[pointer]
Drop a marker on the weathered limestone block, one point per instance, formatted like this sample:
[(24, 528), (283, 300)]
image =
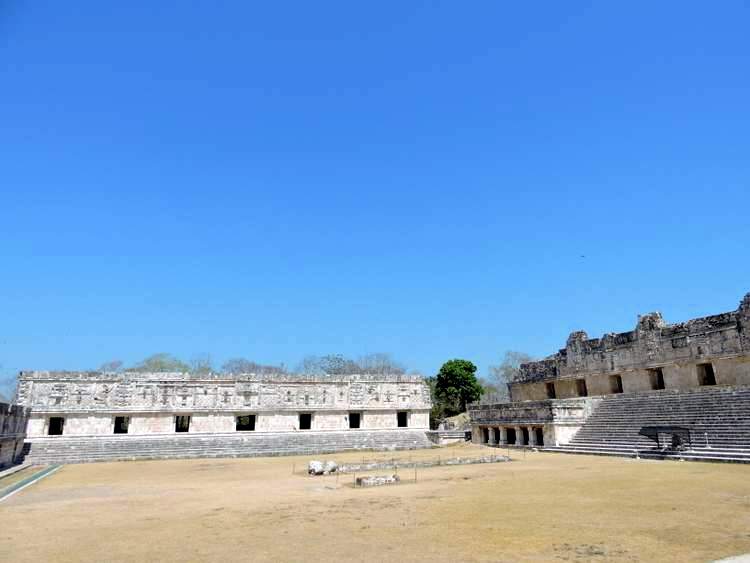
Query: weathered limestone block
[(377, 480), (319, 468), (13, 419)]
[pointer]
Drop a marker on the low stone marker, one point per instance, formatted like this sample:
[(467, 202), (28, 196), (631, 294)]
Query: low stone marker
[(319, 468), (377, 480)]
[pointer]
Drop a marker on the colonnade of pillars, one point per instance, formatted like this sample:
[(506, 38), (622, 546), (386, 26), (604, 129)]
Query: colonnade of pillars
[(512, 435)]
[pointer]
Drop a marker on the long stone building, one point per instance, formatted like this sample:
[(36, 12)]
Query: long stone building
[(281, 413), (663, 373)]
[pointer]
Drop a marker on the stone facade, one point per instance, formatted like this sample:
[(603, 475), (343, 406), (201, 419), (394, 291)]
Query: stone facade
[(655, 355), (13, 419), (95, 403), (551, 398)]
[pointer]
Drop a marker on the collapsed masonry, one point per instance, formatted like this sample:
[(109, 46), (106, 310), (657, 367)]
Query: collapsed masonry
[(13, 419), (552, 399)]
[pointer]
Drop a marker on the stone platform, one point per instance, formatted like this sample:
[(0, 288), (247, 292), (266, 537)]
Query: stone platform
[(83, 449)]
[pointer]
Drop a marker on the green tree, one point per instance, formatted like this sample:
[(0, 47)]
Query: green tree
[(456, 385)]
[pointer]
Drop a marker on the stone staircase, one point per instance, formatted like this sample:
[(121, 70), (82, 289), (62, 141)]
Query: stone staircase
[(718, 418), (84, 449)]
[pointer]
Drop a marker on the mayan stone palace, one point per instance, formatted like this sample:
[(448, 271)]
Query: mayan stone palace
[(93, 415), (665, 390)]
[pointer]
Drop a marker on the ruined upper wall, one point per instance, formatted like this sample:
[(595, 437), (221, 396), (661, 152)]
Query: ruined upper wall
[(653, 343), (168, 392), (13, 419)]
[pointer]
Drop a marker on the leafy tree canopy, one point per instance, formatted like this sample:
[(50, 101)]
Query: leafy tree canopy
[(456, 385)]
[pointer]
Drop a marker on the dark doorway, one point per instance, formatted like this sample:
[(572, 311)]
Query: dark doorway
[(581, 388), (524, 436), (551, 393), (706, 375), (497, 435), (56, 424), (615, 383), (354, 419), (121, 424), (403, 419), (485, 435), (539, 436), (245, 423), (510, 434), (305, 421), (657, 379), (182, 424)]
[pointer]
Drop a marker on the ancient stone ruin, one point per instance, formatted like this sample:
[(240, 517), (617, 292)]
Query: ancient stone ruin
[(13, 419), (598, 393), (322, 468), (377, 480), (175, 415)]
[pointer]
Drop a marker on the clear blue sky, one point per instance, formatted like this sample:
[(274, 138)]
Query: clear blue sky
[(429, 179)]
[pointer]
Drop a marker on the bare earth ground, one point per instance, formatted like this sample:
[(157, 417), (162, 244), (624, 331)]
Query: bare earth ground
[(540, 507)]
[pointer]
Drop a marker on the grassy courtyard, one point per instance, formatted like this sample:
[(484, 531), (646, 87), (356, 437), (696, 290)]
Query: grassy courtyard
[(539, 507)]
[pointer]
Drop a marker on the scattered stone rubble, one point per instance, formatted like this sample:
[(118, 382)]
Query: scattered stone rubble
[(395, 464), (377, 480), (320, 468)]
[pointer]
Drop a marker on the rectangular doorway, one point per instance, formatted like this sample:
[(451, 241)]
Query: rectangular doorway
[(245, 423), (524, 436), (706, 375), (581, 388), (402, 419), (497, 435), (615, 384), (121, 424), (539, 436), (355, 419), (510, 433), (656, 377), (305, 421), (551, 393), (182, 423), (485, 435), (56, 424)]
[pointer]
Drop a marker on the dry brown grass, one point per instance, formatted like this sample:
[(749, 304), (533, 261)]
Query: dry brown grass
[(538, 508)]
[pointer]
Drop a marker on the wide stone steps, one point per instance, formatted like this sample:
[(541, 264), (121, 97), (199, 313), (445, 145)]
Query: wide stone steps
[(87, 449), (718, 419), (692, 455)]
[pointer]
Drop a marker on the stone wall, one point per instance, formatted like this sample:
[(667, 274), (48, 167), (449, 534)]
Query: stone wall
[(89, 402), (558, 420), (13, 420), (722, 340)]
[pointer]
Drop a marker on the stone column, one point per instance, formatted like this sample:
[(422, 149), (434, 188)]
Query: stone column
[(490, 436), (476, 434), (519, 436), (532, 436), (503, 436)]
